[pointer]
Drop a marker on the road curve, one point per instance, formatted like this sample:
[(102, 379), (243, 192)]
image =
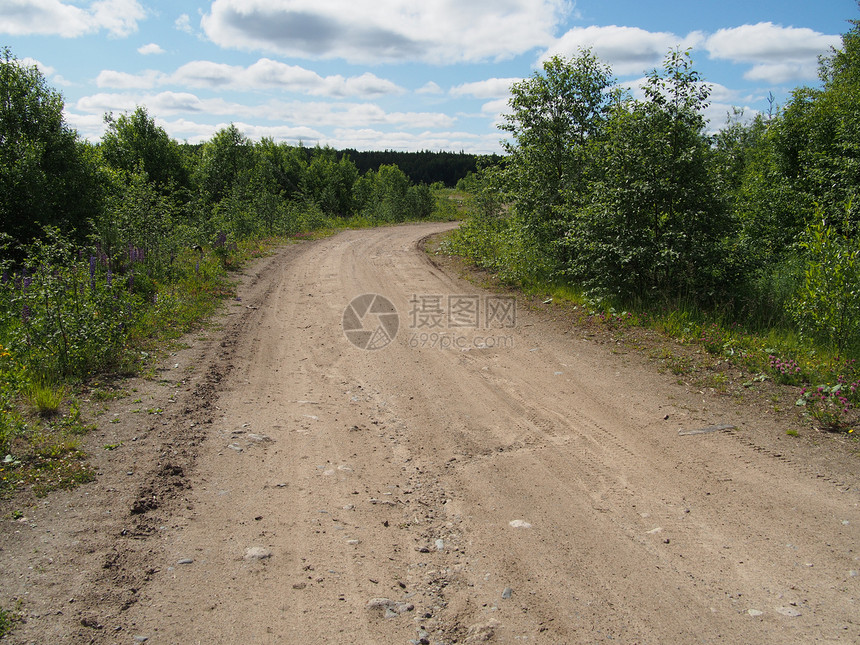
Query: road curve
[(489, 478)]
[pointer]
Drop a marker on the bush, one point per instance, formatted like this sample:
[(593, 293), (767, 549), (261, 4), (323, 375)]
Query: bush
[(65, 314), (827, 305)]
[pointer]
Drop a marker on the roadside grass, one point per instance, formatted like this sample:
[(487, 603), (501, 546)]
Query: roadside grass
[(703, 347)]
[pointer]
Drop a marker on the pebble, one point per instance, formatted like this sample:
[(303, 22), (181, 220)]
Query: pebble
[(440, 545), (791, 612), (185, 561), (754, 612), (353, 542), (507, 593), (391, 607), (236, 447), (257, 553), (520, 524), (141, 639)]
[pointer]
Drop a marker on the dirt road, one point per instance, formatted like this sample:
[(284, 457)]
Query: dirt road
[(503, 480)]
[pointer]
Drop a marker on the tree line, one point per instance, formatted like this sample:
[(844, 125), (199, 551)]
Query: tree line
[(137, 179), (637, 202)]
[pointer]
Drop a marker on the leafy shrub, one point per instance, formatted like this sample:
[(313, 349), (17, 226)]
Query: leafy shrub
[(65, 315), (827, 305)]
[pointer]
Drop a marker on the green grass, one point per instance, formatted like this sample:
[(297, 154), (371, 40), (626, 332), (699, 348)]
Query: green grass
[(45, 398), (7, 621)]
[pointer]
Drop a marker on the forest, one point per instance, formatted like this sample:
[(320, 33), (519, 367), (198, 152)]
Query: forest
[(637, 205)]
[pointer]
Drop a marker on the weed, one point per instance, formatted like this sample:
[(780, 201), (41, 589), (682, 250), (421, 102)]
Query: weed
[(7, 621), (785, 371), (45, 398), (829, 405), (791, 432)]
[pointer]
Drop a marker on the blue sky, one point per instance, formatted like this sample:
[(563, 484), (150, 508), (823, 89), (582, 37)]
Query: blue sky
[(393, 74)]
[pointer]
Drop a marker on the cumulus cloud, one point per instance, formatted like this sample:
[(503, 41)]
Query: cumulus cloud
[(491, 88), (150, 49), (779, 54), (54, 17), (628, 50), (265, 74), (444, 31)]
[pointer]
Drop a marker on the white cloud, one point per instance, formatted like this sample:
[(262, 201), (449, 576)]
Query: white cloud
[(125, 81), (296, 112), (779, 73), (443, 31), (628, 50), (265, 74), (183, 23), (430, 88), (779, 54), (489, 89), (148, 50), (46, 70), (54, 17), (372, 139), (495, 108)]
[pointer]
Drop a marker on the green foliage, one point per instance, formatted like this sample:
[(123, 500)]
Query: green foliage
[(134, 142), (62, 314), (329, 183), (45, 397), (830, 405), (45, 174), (554, 114), (224, 161), (827, 306), (655, 225)]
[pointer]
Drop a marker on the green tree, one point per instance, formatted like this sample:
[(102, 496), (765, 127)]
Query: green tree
[(47, 177), (225, 160), (329, 183), (553, 115), (134, 141), (383, 195), (656, 224)]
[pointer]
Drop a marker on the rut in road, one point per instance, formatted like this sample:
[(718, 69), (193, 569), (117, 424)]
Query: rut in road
[(521, 485)]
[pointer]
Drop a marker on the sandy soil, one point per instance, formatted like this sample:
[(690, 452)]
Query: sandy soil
[(521, 483)]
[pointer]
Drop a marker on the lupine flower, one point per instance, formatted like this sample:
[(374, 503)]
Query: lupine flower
[(93, 261), (25, 314)]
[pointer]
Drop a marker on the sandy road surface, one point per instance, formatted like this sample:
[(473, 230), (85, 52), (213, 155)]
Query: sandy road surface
[(523, 486)]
